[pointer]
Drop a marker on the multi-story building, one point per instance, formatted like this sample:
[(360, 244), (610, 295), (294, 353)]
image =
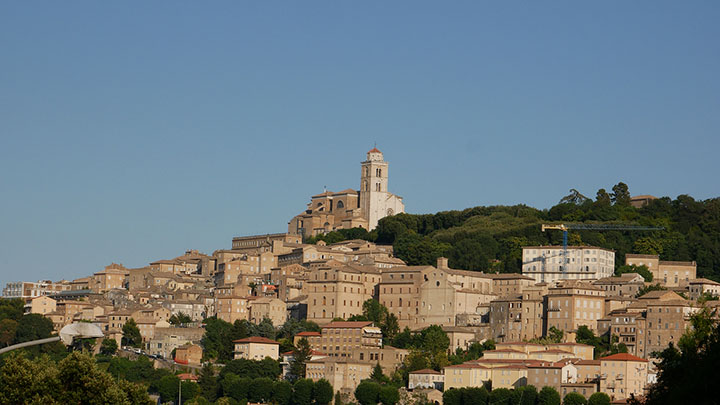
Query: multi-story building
[(574, 303), (625, 285), (256, 348), (340, 339), (344, 374), (623, 375), (349, 208), (551, 374), (112, 277), (41, 305), (666, 273), (420, 296), (27, 289), (232, 308), (340, 292), (266, 307), (545, 263), (667, 318)]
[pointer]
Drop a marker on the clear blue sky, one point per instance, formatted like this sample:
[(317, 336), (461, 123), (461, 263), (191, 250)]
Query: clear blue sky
[(132, 131)]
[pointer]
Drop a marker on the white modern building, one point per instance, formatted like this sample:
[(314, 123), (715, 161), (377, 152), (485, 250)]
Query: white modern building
[(545, 263)]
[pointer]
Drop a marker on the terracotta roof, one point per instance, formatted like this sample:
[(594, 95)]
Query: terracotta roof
[(187, 377), (374, 150), (425, 371), (256, 339), (552, 351), (623, 357), (588, 362), (346, 324), (308, 334)]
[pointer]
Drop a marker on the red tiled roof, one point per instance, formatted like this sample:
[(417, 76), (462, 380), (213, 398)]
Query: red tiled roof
[(256, 339), (308, 334), (374, 150), (623, 357), (187, 377)]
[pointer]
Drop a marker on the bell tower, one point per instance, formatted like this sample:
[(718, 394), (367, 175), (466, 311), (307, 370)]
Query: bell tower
[(373, 187)]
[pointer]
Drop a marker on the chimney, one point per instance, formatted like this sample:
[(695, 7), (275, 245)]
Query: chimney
[(442, 263)]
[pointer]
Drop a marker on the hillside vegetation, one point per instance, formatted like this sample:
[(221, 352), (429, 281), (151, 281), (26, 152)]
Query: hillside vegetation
[(491, 238)]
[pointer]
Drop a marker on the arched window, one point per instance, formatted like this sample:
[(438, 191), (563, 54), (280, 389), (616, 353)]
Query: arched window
[(367, 171), (340, 204), (377, 186), (324, 301), (365, 185)]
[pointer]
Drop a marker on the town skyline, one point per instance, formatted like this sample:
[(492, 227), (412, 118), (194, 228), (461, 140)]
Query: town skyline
[(130, 141)]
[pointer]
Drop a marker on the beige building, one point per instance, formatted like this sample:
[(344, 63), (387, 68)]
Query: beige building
[(667, 318), (349, 208), (340, 338), (552, 374), (625, 285), (425, 378), (271, 308), (232, 308), (574, 303), (42, 305), (667, 273), (339, 292), (424, 295), (701, 286), (256, 348), (112, 277), (544, 263), (343, 374), (623, 375)]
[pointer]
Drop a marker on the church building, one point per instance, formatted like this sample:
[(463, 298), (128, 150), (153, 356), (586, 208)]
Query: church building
[(350, 208)]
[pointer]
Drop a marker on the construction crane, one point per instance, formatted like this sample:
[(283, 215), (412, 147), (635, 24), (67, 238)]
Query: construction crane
[(592, 227)]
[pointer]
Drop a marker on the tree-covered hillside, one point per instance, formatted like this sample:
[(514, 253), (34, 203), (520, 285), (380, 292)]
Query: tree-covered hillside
[(490, 238)]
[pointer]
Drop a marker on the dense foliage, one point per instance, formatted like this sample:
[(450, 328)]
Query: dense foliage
[(74, 380), (18, 328), (688, 371), (491, 238), (526, 395)]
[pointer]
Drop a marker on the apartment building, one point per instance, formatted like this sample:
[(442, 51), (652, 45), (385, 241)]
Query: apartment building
[(340, 339), (545, 263), (666, 273), (551, 374), (573, 303), (623, 375), (340, 292), (266, 307), (426, 378), (232, 308), (344, 374), (667, 318), (701, 286), (28, 290)]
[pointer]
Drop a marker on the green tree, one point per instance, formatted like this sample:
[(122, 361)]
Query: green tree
[(33, 327), (378, 376), (641, 270), (208, 382), (236, 387), (301, 354), (167, 388), (8, 328), (435, 343), (303, 392), (261, 390), (648, 246), (573, 398), (620, 195), (322, 392), (500, 396), (475, 396), (388, 395), (603, 198), (218, 337), (108, 347), (390, 327), (599, 398), (452, 396), (282, 393), (131, 334), (180, 318), (548, 396), (524, 395), (367, 392), (12, 308)]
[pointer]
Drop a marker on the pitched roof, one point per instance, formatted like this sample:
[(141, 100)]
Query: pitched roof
[(308, 334), (256, 339), (374, 150), (425, 371), (623, 357)]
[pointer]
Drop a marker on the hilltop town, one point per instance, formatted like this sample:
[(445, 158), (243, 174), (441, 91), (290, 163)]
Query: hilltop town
[(570, 320)]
